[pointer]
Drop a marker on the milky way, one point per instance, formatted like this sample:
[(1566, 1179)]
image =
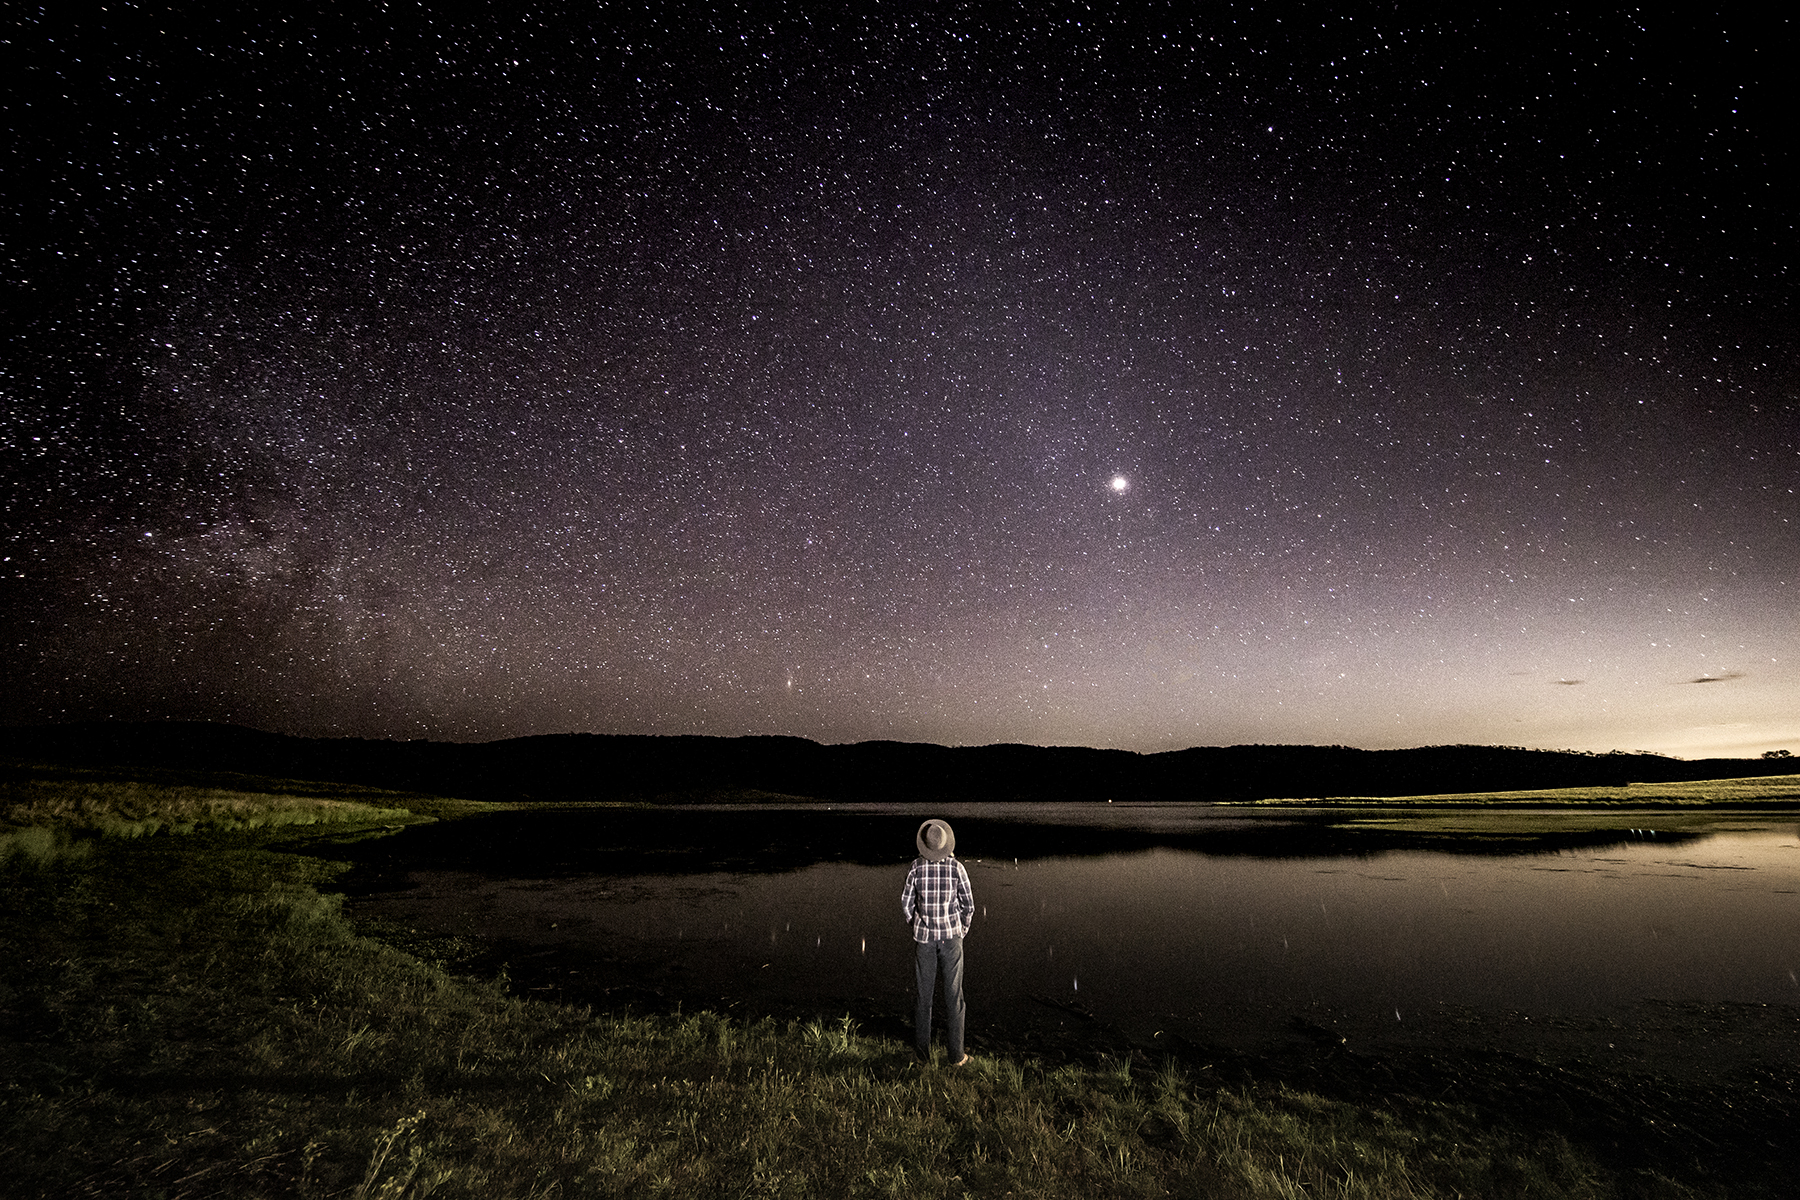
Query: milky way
[(1266, 375)]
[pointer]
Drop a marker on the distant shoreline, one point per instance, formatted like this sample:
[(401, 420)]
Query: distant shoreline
[(677, 769)]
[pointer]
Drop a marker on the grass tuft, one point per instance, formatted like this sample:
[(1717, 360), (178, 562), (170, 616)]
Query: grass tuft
[(34, 844)]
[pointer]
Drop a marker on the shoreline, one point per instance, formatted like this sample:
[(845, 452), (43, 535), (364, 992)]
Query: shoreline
[(238, 961), (1694, 1089)]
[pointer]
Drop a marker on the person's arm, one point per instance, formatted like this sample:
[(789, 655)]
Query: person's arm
[(909, 893), (965, 899)]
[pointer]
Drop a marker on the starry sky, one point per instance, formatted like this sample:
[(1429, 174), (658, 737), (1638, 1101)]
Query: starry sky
[(1143, 377)]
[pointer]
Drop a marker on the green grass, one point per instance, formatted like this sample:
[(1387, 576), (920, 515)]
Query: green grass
[(1766, 789), (47, 811), (190, 1015)]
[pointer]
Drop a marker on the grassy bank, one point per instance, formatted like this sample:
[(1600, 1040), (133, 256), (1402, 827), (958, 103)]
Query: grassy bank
[(42, 807), (1783, 790), (189, 1014)]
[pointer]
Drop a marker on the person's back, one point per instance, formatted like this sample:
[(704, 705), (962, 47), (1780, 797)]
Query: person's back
[(939, 905)]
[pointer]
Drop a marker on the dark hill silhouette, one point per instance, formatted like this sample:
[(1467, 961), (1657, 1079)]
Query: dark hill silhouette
[(583, 766)]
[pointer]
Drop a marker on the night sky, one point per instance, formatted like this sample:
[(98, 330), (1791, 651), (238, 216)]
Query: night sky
[(1263, 375)]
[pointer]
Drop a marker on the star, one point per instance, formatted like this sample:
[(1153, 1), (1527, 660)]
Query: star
[(366, 392)]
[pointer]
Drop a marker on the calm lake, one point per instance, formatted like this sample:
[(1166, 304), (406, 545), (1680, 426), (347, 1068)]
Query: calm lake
[(1214, 925)]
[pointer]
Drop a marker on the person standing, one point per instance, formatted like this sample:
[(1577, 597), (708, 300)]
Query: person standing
[(939, 904)]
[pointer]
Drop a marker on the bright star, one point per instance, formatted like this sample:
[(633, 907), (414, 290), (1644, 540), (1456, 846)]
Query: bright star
[(1120, 483)]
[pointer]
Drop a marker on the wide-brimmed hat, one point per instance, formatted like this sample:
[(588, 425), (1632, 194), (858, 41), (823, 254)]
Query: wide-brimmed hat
[(937, 841)]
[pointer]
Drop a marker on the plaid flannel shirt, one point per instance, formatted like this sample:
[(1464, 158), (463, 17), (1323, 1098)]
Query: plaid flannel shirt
[(937, 900)]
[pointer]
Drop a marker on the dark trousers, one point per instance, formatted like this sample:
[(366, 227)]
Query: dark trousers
[(929, 957)]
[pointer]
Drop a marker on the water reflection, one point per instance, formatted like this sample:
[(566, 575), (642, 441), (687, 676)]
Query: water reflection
[(1208, 924), (707, 838)]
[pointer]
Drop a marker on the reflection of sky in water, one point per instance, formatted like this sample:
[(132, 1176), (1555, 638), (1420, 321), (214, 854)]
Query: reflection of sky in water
[(1160, 817), (1176, 939)]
